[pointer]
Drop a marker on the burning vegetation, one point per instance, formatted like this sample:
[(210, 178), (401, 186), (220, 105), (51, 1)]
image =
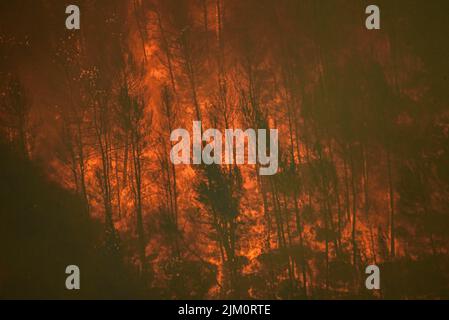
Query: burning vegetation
[(363, 157)]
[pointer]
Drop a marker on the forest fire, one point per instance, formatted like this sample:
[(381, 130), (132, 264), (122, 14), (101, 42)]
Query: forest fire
[(342, 162)]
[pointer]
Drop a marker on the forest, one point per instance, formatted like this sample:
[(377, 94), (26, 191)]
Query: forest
[(363, 157)]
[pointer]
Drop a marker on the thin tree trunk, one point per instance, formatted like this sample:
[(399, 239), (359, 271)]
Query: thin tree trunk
[(391, 196)]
